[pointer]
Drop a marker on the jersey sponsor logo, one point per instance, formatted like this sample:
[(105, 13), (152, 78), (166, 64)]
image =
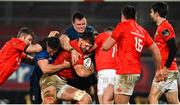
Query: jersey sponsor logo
[(134, 33), (165, 32)]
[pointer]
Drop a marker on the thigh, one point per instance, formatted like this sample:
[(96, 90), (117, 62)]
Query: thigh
[(172, 97), (169, 85), (50, 84), (124, 84), (105, 78)]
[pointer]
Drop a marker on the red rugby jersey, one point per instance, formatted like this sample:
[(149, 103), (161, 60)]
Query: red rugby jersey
[(163, 33), (65, 55), (130, 38), (104, 59), (11, 55)]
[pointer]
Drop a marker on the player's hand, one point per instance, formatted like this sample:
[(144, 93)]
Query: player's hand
[(53, 33), (66, 64), (28, 57), (75, 56), (161, 75)]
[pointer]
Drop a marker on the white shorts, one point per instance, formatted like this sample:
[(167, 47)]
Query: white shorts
[(105, 77), (169, 85)]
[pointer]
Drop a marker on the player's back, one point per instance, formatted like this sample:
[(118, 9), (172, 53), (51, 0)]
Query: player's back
[(131, 40), (104, 59)]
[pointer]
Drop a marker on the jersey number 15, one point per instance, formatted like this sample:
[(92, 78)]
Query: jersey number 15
[(138, 44)]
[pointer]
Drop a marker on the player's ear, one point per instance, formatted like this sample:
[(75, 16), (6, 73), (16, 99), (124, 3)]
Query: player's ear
[(156, 14)]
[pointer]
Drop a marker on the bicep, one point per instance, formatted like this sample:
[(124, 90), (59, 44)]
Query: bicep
[(64, 38)]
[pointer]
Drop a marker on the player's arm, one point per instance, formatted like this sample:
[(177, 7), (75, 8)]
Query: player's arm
[(108, 43), (50, 68), (53, 34), (33, 48), (172, 48), (37, 47), (64, 39), (156, 55), (160, 73), (82, 71)]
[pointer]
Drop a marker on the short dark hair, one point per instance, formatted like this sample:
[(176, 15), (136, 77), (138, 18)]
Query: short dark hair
[(88, 36), (78, 16), (162, 9), (24, 31), (129, 12), (53, 43), (110, 28)]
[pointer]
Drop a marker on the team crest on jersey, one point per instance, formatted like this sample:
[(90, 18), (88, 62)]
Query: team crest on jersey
[(165, 32)]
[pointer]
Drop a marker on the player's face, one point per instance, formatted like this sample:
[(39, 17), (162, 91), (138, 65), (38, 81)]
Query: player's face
[(28, 39), (153, 15), (80, 25), (51, 51), (85, 46)]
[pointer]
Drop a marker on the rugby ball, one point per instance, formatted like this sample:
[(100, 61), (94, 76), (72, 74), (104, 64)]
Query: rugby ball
[(87, 63)]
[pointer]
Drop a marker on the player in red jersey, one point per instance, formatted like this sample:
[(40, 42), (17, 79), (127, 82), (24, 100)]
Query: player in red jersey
[(130, 38), (105, 67), (165, 40), (54, 87), (12, 53)]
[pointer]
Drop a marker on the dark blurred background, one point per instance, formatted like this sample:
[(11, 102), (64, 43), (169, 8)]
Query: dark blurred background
[(43, 17)]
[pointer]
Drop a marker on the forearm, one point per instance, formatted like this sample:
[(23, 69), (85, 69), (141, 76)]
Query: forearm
[(157, 59), (108, 44), (50, 68), (65, 42), (33, 48), (156, 56), (82, 71)]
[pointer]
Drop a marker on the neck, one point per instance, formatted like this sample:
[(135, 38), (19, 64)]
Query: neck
[(160, 20)]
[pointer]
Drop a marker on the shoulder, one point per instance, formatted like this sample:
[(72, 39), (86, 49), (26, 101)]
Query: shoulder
[(41, 55), (69, 29), (89, 28)]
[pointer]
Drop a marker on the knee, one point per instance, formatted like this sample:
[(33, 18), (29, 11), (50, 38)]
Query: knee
[(107, 100), (152, 98), (87, 98), (173, 101)]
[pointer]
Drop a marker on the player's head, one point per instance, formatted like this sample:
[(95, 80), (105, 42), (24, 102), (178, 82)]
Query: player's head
[(52, 45), (26, 35), (128, 12), (110, 28), (86, 41), (79, 22), (160, 9)]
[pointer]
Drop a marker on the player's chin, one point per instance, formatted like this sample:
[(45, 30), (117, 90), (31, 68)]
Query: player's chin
[(81, 30)]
